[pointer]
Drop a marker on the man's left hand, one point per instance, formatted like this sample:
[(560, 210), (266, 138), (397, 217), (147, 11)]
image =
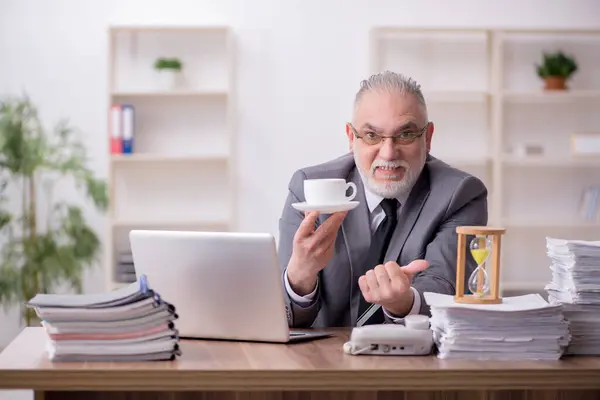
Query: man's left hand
[(389, 285)]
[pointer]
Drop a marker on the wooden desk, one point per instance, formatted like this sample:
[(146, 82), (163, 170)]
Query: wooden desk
[(316, 369)]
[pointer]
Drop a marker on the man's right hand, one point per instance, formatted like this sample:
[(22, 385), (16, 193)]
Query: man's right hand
[(312, 250)]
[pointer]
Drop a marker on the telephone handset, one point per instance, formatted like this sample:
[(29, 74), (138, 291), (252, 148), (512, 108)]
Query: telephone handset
[(413, 338)]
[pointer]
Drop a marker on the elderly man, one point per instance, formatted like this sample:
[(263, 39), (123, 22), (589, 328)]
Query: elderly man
[(372, 264)]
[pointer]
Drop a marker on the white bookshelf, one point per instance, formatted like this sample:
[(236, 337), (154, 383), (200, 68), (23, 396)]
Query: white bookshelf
[(485, 98), (180, 174)]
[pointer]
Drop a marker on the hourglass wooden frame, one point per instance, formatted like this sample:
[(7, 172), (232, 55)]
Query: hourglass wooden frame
[(494, 273)]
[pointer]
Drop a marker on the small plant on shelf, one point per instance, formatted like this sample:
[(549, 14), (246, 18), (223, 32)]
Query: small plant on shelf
[(556, 69), (169, 72), (168, 64), (46, 241)]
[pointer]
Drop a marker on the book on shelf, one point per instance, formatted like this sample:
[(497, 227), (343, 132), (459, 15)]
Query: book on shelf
[(132, 323), (122, 128)]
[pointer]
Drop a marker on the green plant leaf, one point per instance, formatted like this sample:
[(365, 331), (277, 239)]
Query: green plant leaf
[(168, 63), (556, 64), (38, 258), (10, 278)]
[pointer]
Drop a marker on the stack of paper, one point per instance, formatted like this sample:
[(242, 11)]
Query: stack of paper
[(520, 328), (575, 284), (129, 324)]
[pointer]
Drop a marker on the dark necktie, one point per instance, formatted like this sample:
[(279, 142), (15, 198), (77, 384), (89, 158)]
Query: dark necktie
[(379, 245)]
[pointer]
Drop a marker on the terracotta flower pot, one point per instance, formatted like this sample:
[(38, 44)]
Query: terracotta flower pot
[(555, 83)]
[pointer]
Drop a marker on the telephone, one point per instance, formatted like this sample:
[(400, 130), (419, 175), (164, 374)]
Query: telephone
[(413, 338)]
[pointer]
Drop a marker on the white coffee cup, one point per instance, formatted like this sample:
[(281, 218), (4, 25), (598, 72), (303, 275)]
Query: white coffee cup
[(328, 191)]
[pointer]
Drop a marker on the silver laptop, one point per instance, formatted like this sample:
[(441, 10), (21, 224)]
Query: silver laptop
[(224, 285)]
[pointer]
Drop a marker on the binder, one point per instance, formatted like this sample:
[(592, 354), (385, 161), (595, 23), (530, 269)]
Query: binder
[(116, 129), (128, 113)]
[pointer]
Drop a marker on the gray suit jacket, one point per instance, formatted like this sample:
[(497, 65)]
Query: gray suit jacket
[(442, 199)]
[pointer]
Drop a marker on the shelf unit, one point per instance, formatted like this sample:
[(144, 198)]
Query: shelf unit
[(485, 99), (181, 172)]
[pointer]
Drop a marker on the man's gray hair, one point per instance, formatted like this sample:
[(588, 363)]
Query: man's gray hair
[(390, 81)]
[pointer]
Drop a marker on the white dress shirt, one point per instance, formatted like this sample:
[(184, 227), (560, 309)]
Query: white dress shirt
[(377, 216)]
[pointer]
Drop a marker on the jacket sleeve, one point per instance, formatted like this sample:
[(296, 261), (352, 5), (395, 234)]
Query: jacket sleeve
[(299, 316), (468, 206)]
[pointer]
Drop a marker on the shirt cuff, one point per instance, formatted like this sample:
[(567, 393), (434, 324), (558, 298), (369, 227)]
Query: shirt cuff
[(300, 300), (414, 310)]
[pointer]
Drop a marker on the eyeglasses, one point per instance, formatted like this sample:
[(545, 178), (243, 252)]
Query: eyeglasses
[(403, 138)]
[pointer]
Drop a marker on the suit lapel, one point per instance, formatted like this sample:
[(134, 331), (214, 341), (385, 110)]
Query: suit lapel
[(409, 213), (356, 227)]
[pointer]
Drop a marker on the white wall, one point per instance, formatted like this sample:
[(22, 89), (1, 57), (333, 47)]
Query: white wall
[(299, 64)]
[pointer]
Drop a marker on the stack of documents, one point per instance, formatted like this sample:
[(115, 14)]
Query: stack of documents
[(129, 324), (520, 328), (575, 285)]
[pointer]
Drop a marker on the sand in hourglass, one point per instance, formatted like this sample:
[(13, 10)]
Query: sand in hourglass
[(480, 255), (479, 280)]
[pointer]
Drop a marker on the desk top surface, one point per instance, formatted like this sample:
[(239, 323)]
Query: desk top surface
[(314, 365)]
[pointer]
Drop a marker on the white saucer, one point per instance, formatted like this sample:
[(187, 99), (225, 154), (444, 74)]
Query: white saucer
[(326, 208)]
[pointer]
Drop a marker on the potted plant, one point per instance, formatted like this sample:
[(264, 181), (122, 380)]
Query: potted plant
[(169, 72), (556, 69), (46, 241)]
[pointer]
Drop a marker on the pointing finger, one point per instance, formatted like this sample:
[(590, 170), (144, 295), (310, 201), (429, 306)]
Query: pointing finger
[(415, 267)]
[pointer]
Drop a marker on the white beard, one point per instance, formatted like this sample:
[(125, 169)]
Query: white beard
[(392, 189)]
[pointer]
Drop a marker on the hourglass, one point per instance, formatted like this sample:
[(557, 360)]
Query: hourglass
[(479, 281), (482, 283)]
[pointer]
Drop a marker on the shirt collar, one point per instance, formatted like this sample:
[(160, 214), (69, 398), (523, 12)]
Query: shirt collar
[(373, 199)]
